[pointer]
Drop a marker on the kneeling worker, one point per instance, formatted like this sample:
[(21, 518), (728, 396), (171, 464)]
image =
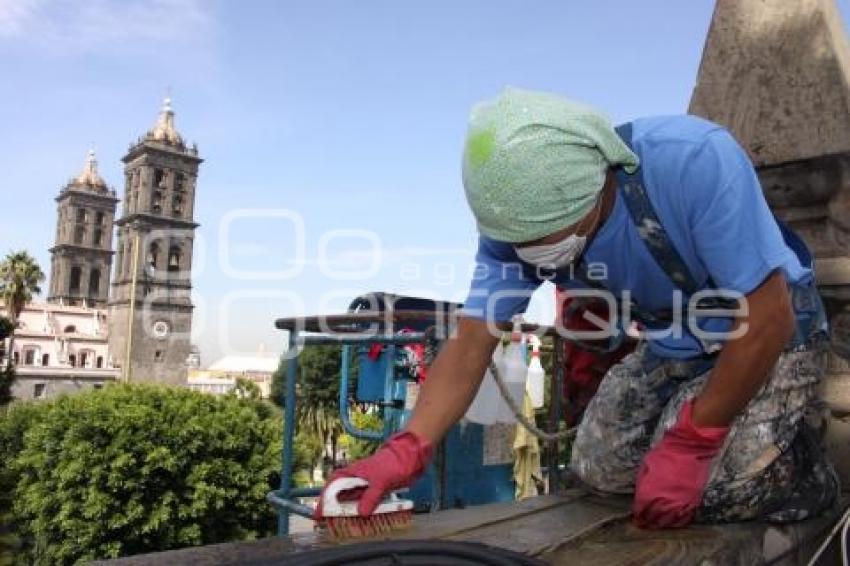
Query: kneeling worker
[(705, 419)]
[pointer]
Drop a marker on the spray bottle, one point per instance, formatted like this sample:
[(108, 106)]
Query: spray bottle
[(536, 375), (513, 371)]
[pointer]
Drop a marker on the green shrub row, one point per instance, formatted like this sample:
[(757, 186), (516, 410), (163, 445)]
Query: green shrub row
[(136, 468)]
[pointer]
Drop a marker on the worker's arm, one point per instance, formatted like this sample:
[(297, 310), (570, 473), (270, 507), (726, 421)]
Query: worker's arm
[(673, 475), (453, 380), (746, 361)]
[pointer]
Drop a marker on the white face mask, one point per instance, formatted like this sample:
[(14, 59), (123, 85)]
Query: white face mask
[(557, 255)]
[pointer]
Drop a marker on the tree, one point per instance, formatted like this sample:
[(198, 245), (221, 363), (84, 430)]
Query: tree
[(307, 450), (7, 374), (14, 422), (20, 277), (355, 447), (140, 468), (6, 327), (317, 391), (247, 389)]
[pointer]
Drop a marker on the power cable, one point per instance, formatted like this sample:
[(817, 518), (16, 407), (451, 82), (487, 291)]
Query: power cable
[(526, 424)]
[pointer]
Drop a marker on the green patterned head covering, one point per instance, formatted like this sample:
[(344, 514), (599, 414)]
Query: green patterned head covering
[(534, 163)]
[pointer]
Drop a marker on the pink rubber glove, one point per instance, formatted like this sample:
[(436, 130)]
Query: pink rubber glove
[(673, 475), (396, 464)]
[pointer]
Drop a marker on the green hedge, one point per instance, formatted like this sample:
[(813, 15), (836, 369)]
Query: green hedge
[(131, 469), (14, 422)]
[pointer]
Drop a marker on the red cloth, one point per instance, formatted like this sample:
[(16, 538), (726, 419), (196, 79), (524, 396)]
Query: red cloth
[(583, 369), (396, 464), (673, 475), (375, 351), (418, 351)]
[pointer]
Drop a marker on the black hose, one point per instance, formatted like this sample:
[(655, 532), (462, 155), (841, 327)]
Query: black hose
[(405, 553)]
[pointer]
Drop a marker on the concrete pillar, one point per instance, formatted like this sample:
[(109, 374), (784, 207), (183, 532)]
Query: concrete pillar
[(777, 74)]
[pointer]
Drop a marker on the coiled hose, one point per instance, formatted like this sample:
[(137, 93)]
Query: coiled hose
[(526, 424)]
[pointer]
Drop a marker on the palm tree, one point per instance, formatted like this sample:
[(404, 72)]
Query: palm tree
[(321, 421), (20, 277), (6, 377), (317, 411)]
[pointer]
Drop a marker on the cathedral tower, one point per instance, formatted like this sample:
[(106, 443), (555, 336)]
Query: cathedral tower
[(82, 254), (150, 310)]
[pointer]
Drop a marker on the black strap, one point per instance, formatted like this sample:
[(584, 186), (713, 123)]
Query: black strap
[(649, 226), (658, 243)]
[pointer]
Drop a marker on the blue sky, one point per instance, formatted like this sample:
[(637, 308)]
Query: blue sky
[(349, 114)]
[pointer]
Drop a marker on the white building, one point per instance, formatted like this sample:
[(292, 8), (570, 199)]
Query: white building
[(220, 377), (59, 349)]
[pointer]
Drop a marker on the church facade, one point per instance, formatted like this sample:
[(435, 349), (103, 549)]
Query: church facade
[(82, 255), (150, 307), (137, 326)]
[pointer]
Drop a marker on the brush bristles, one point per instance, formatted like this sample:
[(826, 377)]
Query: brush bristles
[(363, 527)]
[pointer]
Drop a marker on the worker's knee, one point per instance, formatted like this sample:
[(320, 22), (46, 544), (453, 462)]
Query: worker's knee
[(603, 462), (618, 423)]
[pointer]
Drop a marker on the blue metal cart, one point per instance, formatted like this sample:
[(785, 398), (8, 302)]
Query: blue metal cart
[(458, 477)]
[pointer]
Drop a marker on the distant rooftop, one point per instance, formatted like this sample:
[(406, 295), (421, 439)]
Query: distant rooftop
[(40, 305), (266, 363)]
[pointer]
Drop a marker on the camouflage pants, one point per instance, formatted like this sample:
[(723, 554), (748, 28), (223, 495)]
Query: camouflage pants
[(771, 465)]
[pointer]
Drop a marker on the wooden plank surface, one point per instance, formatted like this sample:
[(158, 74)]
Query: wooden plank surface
[(537, 532), (574, 528), (457, 522), (235, 553), (620, 543)]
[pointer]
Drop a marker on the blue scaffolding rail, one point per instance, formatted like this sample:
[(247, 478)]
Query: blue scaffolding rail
[(361, 329)]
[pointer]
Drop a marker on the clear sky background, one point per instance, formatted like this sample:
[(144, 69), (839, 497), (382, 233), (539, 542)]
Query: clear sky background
[(350, 114)]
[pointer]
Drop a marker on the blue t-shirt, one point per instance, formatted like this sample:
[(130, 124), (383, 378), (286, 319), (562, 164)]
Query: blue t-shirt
[(707, 196)]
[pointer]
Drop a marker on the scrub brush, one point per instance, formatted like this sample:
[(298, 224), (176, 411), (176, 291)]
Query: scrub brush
[(343, 521)]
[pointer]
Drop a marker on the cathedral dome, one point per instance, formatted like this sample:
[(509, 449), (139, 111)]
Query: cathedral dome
[(164, 130), (90, 177)]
